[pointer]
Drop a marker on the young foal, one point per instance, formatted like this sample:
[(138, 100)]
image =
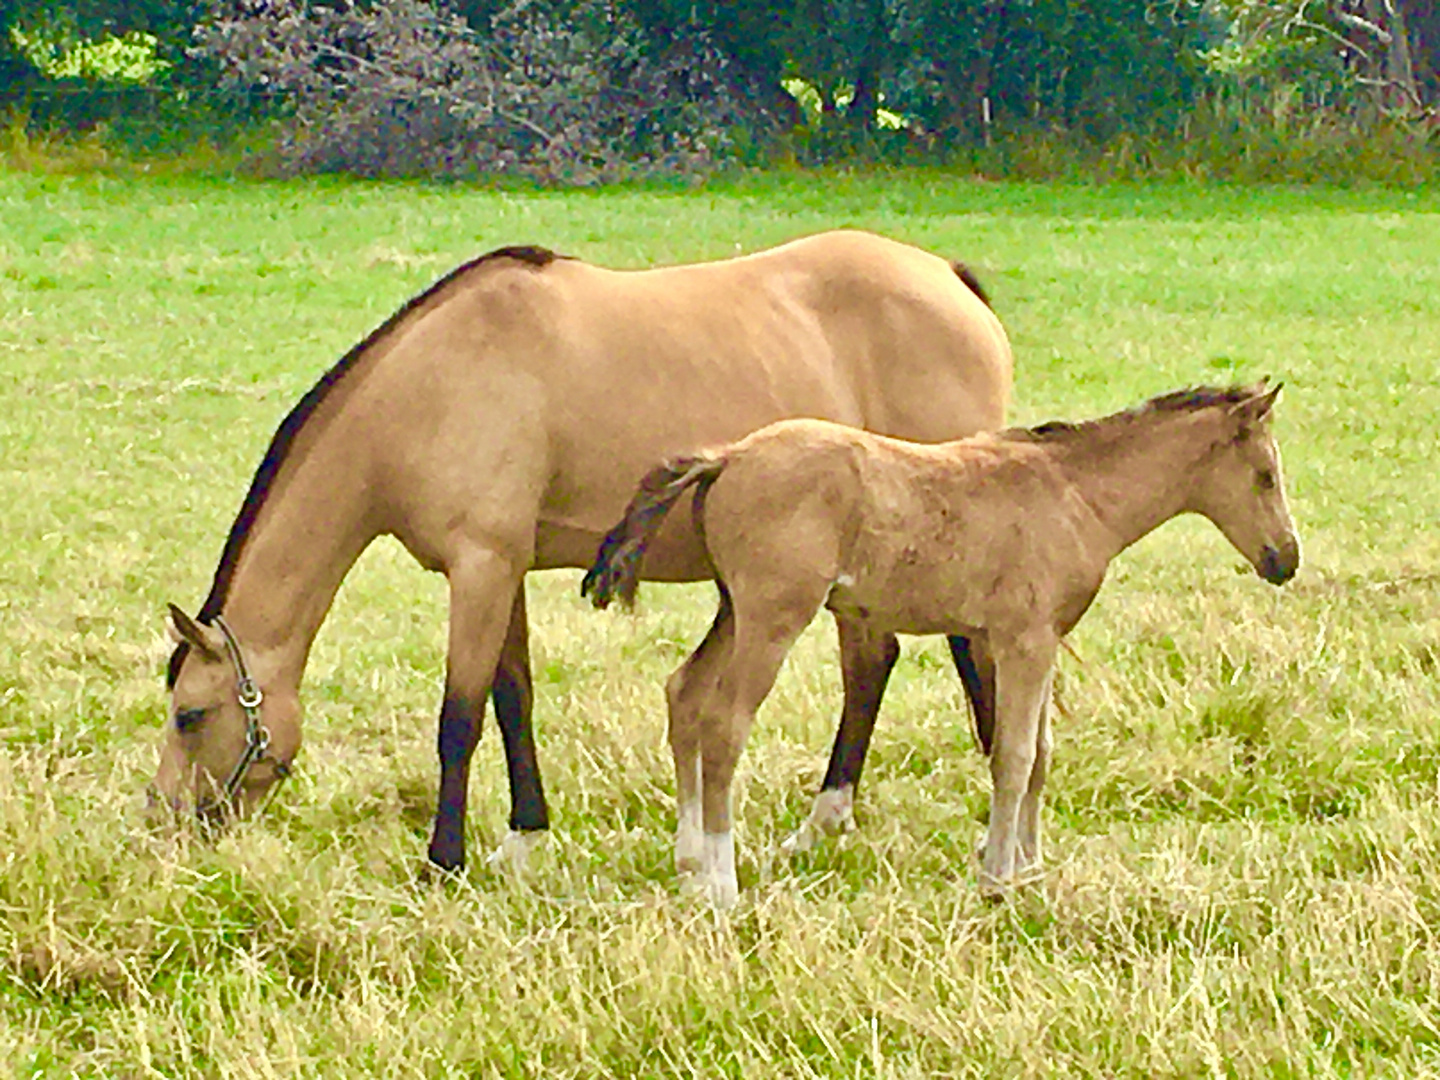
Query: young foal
[(1004, 537)]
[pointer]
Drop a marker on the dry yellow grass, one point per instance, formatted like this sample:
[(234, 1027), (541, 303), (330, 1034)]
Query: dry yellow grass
[(1245, 875)]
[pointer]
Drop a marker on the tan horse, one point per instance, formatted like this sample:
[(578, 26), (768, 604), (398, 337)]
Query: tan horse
[(1004, 537), (497, 423)]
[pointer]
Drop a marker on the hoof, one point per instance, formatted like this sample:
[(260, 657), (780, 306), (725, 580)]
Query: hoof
[(832, 815), (799, 841), (688, 865), (993, 890), (723, 895), (444, 860), (513, 855), (431, 870)]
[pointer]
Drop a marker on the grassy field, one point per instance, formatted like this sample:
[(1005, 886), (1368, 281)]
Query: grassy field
[(1242, 816)]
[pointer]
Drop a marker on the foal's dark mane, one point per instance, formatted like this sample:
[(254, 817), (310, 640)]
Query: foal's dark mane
[(1188, 399), (285, 435)]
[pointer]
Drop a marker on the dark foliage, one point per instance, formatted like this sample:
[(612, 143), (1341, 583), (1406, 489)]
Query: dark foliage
[(553, 92)]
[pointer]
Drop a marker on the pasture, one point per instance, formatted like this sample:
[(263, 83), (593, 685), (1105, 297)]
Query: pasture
[(1243, 814)]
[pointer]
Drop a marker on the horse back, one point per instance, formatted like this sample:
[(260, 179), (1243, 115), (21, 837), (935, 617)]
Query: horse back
[(573, 379)]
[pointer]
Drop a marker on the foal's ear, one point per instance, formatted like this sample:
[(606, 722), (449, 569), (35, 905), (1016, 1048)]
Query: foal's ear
[(185, 630), (1257, 406)]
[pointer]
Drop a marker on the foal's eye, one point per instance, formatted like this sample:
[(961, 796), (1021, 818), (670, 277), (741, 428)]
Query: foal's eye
[(1265, 480), (187, 720)]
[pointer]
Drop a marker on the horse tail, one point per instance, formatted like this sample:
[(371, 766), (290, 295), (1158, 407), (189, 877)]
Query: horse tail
[(616, 572), (965, 274)]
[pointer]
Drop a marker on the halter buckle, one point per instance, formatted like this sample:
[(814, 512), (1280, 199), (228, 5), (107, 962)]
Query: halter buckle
[(247, 690)]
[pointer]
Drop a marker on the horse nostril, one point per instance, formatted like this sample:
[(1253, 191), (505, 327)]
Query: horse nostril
[(1278, 568)]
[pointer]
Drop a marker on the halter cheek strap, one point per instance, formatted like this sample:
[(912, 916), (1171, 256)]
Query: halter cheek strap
[(257, 736)]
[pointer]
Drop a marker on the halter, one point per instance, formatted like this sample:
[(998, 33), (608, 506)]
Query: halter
[(257, 736)]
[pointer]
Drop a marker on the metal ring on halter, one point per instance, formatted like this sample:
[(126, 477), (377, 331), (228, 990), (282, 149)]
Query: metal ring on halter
[(257, 736)]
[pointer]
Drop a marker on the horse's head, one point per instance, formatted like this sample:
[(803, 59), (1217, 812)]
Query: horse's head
[(1242, 490), (233, 727)]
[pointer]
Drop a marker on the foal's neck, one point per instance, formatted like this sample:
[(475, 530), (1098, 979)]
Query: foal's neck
[(1138, 474)]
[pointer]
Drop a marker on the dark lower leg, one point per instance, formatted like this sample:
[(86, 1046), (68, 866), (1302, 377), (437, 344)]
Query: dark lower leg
[(460, 721), (977, 672), (514, 697), (866, 660), (483, 584)]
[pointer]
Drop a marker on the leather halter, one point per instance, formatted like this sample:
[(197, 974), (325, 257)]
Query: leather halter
[(257, 735)]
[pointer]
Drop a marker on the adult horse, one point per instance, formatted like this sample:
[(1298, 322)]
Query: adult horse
[(496, 424)]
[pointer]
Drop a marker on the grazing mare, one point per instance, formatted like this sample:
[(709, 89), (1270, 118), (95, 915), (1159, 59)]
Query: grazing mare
[(1005, 537), (497, 423)]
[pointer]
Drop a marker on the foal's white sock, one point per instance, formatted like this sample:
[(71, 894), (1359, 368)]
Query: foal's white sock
[(723, 885)]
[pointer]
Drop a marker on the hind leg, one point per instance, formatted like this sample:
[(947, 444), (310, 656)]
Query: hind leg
[(976, 668), (762, 639), (866, 659), (513, 695), (1031, 853), (483, 583), (685, 693)]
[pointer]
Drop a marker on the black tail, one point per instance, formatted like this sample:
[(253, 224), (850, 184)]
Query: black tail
[(965, 274), (616, 572)]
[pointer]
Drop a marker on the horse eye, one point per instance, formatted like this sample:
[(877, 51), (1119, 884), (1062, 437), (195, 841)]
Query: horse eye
[(187, 720), (1265, 480)]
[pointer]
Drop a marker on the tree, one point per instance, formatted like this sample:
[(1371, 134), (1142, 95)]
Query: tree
[(1385, 52)]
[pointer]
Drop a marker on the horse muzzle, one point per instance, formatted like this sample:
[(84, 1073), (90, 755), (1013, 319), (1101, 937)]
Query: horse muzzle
[(1278, 565)]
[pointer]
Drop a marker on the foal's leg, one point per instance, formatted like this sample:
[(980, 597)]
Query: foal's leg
[(761, 641), (482, 587), (1030, 852), (1023, 680), (866, 659), (685, 692), (977, 673), (514, 697)]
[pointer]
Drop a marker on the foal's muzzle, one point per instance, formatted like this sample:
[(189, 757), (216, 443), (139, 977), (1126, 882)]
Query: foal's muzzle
[(1278, 565)]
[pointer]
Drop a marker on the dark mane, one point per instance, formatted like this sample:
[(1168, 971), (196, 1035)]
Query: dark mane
[(289, 429), (1186, 399)]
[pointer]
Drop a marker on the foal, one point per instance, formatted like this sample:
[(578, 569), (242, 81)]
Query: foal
[(1006, 537)]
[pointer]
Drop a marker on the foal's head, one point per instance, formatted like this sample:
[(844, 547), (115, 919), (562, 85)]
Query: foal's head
[(233, 729), (1241, 489)]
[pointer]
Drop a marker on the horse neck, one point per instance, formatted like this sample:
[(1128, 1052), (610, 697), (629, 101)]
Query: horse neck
[(1139, 473), (316, 521)]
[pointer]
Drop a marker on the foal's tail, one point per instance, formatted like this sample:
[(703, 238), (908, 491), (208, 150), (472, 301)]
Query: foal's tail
[(616, 572)]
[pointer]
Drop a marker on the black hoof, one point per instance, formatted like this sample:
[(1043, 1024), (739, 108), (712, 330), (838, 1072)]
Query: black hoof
[(445, 861)]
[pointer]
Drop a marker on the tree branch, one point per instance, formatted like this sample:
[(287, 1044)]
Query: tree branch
[(439, 93), (1379, 32)]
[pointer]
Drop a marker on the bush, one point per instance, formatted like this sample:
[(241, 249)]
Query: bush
[(569, 94)]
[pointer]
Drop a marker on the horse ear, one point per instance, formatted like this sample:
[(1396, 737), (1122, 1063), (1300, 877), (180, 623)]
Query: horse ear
[(1257, 406), (186, 630)]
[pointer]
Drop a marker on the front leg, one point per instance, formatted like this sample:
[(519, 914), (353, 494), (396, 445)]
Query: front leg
[(1022, 684), (482, 587)]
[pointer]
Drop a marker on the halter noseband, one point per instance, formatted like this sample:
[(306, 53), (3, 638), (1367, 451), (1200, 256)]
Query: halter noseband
[(257, 736)]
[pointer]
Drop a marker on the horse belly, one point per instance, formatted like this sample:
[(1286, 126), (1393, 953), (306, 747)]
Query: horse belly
[(676, 554)]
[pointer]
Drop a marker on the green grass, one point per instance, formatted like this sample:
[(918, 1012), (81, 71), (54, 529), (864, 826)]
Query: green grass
[(1242, 818)]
